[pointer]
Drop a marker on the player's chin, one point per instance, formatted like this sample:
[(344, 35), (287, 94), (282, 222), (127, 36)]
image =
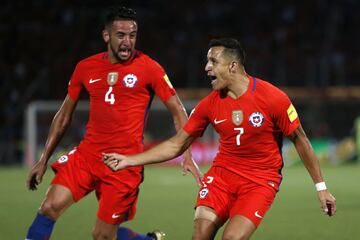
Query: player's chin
[(123, 58), (215, 86), (124, 55)]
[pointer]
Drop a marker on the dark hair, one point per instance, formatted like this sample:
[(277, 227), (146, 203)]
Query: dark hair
[(119, 13), (232, 46)]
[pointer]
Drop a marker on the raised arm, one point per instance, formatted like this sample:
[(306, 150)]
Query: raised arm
[(307, 155), (179, 115), (58, 127), (165, 151)]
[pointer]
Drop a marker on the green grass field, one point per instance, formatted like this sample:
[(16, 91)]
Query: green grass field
[(167, 198)]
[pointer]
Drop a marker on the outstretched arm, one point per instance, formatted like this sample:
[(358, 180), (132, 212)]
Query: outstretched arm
[(166, 150), (58, 127), (179, 115), (307, 155)]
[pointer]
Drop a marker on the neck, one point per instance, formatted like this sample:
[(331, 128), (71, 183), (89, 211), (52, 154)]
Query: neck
[(112, 59), (240, 86)]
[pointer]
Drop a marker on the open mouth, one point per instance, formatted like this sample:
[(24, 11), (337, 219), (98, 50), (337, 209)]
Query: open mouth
[(125, 52), (213, 79)]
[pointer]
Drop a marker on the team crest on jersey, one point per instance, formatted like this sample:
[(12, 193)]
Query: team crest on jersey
[(112, 78), (256, 119), (203, 192), (237, 117), (63, 159), (130, 80)]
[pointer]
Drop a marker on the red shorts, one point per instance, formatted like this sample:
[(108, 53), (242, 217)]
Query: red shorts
[(117, 192), (230, 194)]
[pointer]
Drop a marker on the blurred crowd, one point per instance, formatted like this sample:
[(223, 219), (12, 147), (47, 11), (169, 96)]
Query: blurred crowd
[(311, 43)]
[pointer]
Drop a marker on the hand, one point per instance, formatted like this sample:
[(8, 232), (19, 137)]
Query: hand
[(327, 202), (115, 161), (36, 174), (189, 165)]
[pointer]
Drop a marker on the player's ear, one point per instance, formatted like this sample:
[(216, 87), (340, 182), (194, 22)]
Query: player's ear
[(106, 35), (232, 67)]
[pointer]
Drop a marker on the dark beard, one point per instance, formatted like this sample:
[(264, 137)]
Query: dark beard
[(116, 55)]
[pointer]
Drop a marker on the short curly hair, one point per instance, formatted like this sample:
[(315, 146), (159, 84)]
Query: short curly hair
[(119, 13)]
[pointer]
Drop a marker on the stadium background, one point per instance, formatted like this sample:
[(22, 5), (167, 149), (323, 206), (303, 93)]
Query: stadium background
[(308, 48)]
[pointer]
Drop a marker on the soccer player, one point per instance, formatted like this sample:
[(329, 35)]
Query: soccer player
[(251, 116), (121, 83)]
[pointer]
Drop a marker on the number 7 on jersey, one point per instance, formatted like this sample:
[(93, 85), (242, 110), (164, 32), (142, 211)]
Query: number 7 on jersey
[(241, 132)]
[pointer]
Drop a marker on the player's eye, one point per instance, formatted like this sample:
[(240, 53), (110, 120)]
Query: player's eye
[(120, 35)]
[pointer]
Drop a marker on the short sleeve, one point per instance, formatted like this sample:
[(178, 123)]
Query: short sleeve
[(75, 83), (198, 120), (284, 114), (160, 82)]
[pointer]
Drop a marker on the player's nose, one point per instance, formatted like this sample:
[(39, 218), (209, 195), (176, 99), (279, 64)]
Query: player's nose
[(126, 41), (207, 67)]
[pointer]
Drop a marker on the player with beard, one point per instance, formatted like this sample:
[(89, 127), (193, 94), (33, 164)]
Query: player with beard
[(121, 83), (252, 117)]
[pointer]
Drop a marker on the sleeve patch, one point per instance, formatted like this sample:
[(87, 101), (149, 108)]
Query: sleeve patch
[(167, 80), (292, 114)]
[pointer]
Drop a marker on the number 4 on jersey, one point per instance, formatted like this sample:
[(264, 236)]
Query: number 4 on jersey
[(109, 96)]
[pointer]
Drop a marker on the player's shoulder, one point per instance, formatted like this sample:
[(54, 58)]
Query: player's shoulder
[(270, 95), (148, 61), (211, 98), (266, 88), (93, 59), (143, 56)]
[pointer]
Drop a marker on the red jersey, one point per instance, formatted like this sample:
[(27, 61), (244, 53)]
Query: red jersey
[(120, 98), (251, 128)]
